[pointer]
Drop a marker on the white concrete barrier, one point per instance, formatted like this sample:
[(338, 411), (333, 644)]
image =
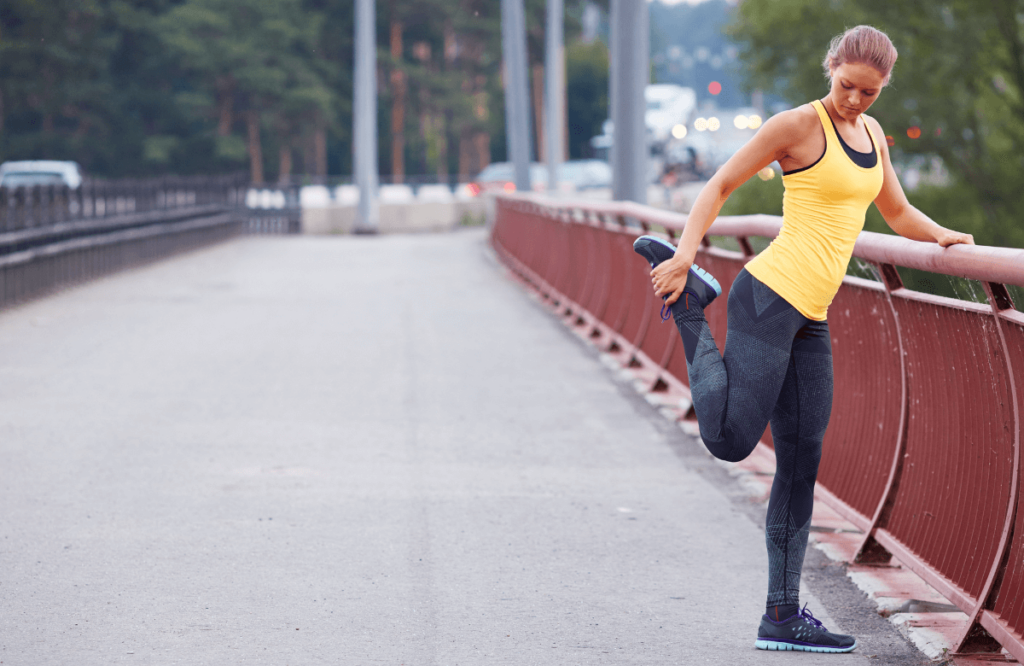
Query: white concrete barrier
[(434, 193), (346, 195), (414, 217), (396, 194), (314, 196)]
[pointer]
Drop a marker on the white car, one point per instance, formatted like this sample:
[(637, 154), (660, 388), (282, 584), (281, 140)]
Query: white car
[(27, 173)]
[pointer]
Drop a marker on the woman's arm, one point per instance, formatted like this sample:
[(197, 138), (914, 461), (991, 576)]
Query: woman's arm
[(899, 214), (768, 145)]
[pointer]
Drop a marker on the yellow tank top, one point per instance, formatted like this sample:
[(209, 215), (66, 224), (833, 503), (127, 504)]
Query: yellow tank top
[(823, 210)]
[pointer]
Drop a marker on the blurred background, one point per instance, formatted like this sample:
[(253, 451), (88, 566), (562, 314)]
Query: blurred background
[(138, 88)]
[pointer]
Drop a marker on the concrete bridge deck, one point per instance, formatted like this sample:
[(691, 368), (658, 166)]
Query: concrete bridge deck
[(360, 450)]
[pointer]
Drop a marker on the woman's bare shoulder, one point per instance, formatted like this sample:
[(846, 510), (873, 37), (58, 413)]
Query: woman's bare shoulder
[(789, 130), (799, 118)]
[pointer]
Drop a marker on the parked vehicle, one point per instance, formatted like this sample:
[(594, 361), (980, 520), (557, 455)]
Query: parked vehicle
[(573, 175), (668, 105), (26, 173), (585, 174)]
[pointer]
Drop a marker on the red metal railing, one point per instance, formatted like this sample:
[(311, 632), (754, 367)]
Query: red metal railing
[(923, 450)]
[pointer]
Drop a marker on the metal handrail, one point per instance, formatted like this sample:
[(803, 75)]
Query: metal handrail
[(977, 262)]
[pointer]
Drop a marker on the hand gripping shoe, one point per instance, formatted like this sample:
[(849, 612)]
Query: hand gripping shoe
[(801, 632), (699, 282)]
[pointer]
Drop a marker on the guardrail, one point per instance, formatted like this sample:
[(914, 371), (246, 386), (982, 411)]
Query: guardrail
[(276, 210), (52, 236), (923, 453)]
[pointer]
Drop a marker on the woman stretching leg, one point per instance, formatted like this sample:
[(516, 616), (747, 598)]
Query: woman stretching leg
[(777, 365)]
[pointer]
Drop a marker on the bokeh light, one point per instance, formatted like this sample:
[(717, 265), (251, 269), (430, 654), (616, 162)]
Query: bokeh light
[(914, 132), (714, 124), (510, 187), (741, 122), (889, 140), (700, 124), (714, 87), (753, 122), (679, 131)]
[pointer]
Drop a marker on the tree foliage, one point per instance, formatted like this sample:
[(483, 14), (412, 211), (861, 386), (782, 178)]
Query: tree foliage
[(136, 87), (587, 92), (959, 79)]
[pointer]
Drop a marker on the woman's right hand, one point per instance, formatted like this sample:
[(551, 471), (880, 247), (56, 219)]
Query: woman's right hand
[(669, 278)]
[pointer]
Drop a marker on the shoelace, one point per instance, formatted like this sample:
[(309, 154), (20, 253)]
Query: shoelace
[(666, 311), (810, 618)]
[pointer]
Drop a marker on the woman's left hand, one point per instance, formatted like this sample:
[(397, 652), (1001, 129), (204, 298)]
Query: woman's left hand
[(947, 238)]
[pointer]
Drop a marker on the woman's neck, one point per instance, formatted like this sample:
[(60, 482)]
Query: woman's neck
[(833, 113)]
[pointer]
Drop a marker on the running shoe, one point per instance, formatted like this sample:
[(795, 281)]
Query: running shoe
[(699, 282), (801, 632)]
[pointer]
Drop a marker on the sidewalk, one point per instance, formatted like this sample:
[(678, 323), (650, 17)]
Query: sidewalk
[(353, 451)]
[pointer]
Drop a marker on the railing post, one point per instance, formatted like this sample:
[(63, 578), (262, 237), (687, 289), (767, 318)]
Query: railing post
[(5, 200), (870, 551), (63, 200), (38, 207), (744, 242), (975, 638), (99, 199)]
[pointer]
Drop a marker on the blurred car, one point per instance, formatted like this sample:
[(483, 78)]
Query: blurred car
[(585, 174), (501, 176), (26, 173), (573, 175)]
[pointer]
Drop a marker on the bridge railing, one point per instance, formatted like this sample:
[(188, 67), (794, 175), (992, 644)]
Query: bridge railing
[(52, 236), (923, 453)]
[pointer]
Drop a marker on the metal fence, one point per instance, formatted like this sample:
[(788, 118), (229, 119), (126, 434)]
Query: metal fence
[(923, 453), (53, 236)]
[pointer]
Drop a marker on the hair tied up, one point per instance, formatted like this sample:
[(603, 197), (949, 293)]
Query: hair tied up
[(863, 44)]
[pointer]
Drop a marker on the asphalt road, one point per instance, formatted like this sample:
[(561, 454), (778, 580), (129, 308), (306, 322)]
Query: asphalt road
[(349, 450)]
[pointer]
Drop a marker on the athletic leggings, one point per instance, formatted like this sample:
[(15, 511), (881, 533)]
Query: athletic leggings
[(777, 367)]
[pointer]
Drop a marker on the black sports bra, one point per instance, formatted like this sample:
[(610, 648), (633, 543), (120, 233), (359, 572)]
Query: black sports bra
[(863, 160)]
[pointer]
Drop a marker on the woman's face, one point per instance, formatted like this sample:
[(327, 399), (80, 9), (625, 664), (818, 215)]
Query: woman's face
[(855, 87)]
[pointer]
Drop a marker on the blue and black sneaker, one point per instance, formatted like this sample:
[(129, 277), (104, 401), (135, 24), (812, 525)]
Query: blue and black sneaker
[(699, 282), (801, 632)]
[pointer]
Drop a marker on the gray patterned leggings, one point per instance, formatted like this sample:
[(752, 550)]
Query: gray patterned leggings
[(777, 368)]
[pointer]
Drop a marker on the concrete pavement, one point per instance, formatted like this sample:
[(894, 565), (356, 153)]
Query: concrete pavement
[(347, 450)]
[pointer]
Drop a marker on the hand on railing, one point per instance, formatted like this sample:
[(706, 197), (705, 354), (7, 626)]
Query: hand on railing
[(954, 238)]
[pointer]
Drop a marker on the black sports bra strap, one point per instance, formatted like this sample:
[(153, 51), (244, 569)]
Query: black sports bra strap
[(863, 160)]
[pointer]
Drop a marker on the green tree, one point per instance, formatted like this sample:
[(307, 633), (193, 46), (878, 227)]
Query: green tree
[(252, 60), (55, 88), (959, 79), (587, 91)]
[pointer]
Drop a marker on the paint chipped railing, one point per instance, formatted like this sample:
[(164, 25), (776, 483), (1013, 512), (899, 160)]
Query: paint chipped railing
[(923, 450)]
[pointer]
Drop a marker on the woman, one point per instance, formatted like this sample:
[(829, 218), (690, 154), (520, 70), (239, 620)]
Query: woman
[(777, 364)]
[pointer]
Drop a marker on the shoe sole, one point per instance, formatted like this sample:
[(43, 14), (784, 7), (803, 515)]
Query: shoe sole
[(639, 246), (762, 644), (707, 279)]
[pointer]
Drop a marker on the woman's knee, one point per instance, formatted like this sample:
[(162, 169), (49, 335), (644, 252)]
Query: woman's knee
[(731, 449)]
